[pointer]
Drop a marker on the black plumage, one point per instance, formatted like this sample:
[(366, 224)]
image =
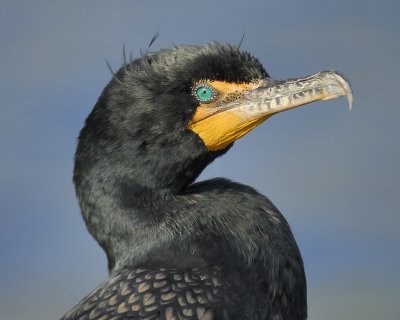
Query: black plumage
[(178, 249)]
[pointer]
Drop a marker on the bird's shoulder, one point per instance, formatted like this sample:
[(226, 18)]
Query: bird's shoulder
[(224, 196)]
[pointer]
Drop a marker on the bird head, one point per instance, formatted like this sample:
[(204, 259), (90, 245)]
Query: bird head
[(165, 116)]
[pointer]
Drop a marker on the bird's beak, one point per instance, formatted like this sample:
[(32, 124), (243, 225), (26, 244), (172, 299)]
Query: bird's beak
[(239, 107)]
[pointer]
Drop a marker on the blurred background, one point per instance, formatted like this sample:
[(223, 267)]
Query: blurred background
[(334, 174)]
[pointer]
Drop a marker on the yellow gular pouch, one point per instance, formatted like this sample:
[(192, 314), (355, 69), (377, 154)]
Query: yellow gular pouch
[(221, 129)]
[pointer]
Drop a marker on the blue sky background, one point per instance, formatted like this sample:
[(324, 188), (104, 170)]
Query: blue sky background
[(333, 173)]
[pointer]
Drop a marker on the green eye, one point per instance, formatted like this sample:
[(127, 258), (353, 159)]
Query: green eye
[(204, 93)]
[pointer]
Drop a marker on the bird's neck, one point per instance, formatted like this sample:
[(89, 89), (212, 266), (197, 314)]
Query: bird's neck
[(121, 194), (114, 208)]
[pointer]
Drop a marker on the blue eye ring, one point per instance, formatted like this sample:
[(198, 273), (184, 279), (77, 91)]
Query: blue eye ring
[(204, 92)]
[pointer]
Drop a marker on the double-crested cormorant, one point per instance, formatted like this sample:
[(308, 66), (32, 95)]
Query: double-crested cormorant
[(177, 249)]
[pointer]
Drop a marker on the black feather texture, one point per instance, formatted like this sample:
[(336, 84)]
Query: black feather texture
[(135, 168)]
